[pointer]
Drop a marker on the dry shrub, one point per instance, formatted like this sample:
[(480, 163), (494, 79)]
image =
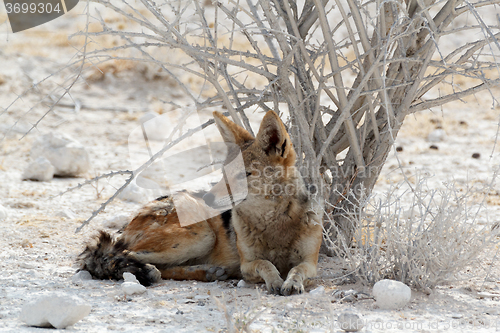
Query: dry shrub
[(414, 234)]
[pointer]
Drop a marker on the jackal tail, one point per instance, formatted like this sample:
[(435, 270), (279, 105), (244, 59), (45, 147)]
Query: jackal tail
[(106, 258)]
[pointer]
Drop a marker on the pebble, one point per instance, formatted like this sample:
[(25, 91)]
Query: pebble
[(241, 284), (201, 297), (26, 265), (350, 321), (40, 169), (129, 277), (344, 293), (68, 157), (391, 294), (117, 222), (318, 291), (81, 277), (134, 193), (55, 310), (132, 288)]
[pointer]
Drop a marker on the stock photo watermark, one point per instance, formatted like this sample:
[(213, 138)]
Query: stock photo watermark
[(27, 14), (187, 169)]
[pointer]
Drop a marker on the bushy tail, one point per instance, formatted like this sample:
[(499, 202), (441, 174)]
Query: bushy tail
[(109, 259)]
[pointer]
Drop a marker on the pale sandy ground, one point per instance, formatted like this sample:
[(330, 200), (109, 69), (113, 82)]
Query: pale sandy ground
[(39, 245)]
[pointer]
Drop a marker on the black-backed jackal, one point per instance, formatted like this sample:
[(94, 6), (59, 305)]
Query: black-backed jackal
[(274, 233)]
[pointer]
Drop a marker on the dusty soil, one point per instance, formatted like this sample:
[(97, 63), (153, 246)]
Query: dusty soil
[(39, 243)]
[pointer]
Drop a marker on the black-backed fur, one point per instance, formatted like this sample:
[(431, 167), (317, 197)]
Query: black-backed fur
[(226, 220), (109, 259)]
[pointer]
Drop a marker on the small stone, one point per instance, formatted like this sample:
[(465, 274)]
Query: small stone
[(399, 149), (80, 277), (129, 277), (67, 155), (41, 170), (437, 135), (350, 321), (344, 293), (476, 155), (134, 193), (55, 310), (117, 222), (391, 294), (26, 265), (242, 284), (201, 297), (131, 288), (318, 291), (433, 147)]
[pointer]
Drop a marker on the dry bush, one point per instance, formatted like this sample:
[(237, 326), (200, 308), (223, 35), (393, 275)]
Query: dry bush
[(419, 236)]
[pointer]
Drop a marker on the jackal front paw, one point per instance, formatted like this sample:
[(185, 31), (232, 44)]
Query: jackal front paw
[(291, 285), (274, 286), (216, 274)]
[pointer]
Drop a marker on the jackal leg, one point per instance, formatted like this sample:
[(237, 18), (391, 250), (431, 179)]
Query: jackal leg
[(172, 245), (258, 270), (296, 277), (205, 273)]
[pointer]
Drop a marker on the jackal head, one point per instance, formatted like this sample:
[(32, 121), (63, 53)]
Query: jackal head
[(269, 162)]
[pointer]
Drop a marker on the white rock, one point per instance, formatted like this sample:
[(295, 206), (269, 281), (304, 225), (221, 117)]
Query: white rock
[(116, 222), (134, 193), (26, 265), (201, 297), (68, 156), (241, 284), (55, 310), (318, 291), (131, 288), (129, 277), (350, 321), (81, 277), (437, 135), (3, 213), (391, 294), (40, 169)]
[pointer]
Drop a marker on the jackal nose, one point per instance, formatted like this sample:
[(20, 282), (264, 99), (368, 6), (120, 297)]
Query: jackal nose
[(209, 199)]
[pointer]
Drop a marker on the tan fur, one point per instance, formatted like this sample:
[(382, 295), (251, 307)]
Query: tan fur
[(156, 237), (278, 228), (273, 234)]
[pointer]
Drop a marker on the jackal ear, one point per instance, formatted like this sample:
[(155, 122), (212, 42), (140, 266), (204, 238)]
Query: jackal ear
[(231, 132), (273, 137)]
